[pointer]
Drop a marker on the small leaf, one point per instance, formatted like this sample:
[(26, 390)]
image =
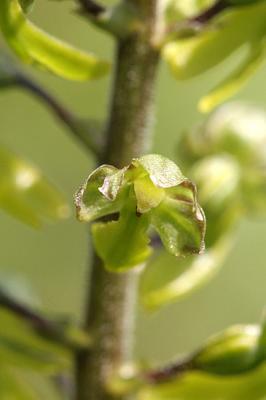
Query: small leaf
[(36, 47), (26, 194)]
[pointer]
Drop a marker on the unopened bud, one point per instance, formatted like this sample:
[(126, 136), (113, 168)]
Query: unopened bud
[(231, 352)]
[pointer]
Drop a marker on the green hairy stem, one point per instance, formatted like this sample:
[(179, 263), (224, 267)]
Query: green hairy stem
[(110, 309)]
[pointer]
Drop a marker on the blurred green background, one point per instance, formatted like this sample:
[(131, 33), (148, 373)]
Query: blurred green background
[(51, 263)]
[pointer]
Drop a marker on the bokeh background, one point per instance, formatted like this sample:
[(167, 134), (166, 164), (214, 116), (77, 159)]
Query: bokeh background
[(51, 264)]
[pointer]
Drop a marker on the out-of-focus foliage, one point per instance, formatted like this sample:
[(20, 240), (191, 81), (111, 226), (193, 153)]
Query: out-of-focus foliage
[(233, 29), (7, 71), (168, 279), (23, 355), (201, 386), (226, 158), (26, 5), (36, 47), (232, 352), (13, 387), (150, 191), (18, 384), (21, 347), (229, 366), (179, 9), (35, 350), (26, 193)]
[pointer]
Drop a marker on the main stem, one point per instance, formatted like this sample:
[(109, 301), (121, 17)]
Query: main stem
[(110, 310)]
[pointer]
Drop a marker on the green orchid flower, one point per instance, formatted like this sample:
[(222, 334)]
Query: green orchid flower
[(150, 192)]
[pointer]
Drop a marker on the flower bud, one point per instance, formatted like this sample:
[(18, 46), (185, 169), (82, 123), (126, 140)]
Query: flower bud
[(231, 352)]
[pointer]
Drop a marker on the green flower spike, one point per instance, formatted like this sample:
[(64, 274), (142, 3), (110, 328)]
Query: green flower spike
[(151, 191)]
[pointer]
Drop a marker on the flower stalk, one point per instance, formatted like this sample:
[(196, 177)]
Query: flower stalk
[(110, 308)]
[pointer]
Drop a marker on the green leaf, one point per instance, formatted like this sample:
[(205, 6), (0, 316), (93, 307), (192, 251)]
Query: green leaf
[(26, 194), (36, 47), (122, 244)]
